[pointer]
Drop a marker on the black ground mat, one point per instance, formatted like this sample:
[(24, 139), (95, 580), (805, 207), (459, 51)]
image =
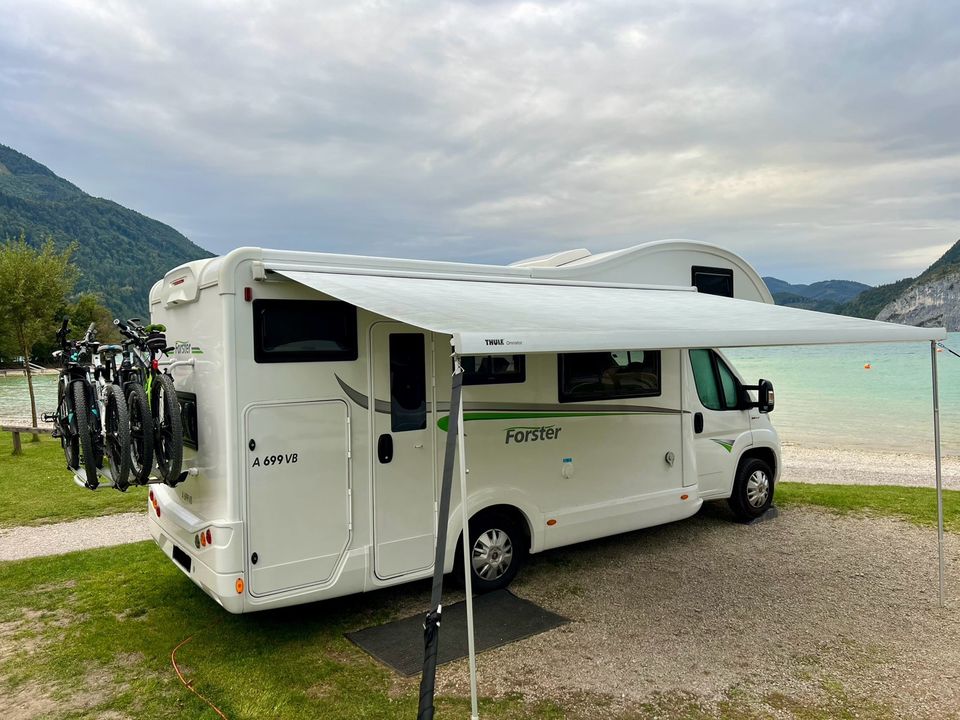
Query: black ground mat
[(499, 618)]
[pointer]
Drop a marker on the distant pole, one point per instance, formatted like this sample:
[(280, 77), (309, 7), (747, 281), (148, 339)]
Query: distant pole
[(936, 452)]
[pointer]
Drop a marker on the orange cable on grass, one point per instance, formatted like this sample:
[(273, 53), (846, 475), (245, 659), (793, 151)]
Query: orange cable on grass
[(188, 686)]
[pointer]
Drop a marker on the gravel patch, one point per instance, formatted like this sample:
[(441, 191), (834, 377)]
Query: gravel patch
[(848, 466), (778, 614), (20, 543)]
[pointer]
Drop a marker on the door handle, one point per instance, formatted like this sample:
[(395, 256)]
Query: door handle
[(698, 423), (385, 448)]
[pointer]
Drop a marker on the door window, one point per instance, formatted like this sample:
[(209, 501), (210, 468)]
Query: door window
[(717, 386), (408, 382)]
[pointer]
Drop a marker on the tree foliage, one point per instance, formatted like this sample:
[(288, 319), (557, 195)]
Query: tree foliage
[(33, 284)]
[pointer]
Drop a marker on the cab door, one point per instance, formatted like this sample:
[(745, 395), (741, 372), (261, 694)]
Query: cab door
[(720, 424), (403, 450)]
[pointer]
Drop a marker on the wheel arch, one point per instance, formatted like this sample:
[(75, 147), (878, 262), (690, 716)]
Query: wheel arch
[(768, 455), (517, 514)]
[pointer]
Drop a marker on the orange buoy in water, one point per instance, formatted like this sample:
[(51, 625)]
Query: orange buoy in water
[(867, 366)]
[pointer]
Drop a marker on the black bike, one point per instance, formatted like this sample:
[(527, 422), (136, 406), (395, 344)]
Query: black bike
[(77, 418), (156, 432), (116, 416)]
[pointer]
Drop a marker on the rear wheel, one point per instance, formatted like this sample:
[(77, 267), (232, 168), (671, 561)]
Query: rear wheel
[(141, 434), (498, 548), (752, 490), (117, 436), (67, 429), (81, 410), (168, 432)]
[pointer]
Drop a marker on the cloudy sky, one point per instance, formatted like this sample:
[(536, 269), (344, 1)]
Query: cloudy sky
[(817, 138)]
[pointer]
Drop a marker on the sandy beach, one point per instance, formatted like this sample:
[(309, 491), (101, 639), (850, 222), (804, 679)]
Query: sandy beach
[(856, 466)]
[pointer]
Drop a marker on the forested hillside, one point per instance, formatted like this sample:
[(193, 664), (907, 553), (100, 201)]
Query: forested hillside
[(120, 253)]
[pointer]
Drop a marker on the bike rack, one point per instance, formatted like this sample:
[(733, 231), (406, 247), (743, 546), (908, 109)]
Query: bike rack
[(106, 477)]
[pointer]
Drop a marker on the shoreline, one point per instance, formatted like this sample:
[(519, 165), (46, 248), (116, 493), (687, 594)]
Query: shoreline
[(860, 466), (810, 463)]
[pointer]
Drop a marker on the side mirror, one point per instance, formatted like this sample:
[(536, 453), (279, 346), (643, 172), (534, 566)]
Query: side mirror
[(765, 397)]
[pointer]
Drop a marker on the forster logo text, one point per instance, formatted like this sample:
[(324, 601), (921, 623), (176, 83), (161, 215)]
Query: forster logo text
[(531, 434)]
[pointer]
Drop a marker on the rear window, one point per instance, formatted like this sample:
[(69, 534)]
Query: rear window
[(608, 375), (304, 331)]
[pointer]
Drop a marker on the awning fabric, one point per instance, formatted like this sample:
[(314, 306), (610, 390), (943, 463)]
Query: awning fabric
[(490, 317)]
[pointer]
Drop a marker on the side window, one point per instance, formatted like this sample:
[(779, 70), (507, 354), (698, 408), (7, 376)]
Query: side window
[(304, 331), (712, 281), (408, 382), (493, 369), (717, 386), (608, 375), (705, 379)]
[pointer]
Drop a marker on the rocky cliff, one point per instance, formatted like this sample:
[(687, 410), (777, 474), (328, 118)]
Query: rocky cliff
[(929, 302)]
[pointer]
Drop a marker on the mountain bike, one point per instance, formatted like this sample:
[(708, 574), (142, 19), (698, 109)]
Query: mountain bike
[(77, 417), (140, 373), (115, 413)]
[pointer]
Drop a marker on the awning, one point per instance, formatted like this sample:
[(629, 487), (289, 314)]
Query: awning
[(488, 316)]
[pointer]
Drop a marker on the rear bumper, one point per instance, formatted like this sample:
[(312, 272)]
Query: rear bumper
[(215, 568)]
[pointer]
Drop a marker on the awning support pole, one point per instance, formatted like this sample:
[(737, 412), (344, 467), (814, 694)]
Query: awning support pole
[(467, 560), (431, 625), (936, 453)]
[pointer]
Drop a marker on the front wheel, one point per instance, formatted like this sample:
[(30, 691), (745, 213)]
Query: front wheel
[(82, 410), (117, 436), (752, 490), (498, 548), (141, 434), (167, 429)]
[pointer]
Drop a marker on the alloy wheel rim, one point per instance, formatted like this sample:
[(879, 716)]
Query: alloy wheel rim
[(492, 554), (758, 488)]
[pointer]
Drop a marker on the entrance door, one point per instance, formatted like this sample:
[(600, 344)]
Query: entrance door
[(403, 463)]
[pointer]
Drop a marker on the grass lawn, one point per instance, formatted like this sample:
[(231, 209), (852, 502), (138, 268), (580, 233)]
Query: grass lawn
[(914, 504), (88, 633), (37, 488)]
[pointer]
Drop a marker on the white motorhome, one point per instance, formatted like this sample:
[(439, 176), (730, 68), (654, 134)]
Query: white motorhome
[(315, 427)]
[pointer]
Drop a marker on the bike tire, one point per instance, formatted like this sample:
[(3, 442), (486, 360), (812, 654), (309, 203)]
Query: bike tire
[(81, 413), (141, 434), (167, 429), (116, 436), (68, 438)]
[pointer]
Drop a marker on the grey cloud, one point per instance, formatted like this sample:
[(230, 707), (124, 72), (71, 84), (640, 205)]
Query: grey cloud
[(816, 138)]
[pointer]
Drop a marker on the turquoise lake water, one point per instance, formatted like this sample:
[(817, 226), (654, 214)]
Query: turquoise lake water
[(824, 395)]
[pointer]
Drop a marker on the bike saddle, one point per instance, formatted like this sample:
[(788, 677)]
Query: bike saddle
[(110, 348)]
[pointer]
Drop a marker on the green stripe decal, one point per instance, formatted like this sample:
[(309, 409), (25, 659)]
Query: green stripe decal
[(444, 422), (725, 444)]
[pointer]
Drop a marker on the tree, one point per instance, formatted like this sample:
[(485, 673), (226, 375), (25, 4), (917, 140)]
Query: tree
[(33, 284)]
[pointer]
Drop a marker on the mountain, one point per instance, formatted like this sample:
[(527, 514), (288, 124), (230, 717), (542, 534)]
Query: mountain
[(825, 296), (120, 253), (933, 299)]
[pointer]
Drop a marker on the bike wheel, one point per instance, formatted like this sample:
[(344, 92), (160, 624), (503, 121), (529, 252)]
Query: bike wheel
[(68, 437), (167, 429), (81, 411), (141, 434), (116, 433)]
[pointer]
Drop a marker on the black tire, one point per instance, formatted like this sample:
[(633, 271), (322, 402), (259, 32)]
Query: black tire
[(752, 490), (81, 412), (141, 434), (116, 435), (167, 428), (498, 548), (68, 435)]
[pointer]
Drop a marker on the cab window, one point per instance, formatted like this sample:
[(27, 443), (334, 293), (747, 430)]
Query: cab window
[(717, 386)]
